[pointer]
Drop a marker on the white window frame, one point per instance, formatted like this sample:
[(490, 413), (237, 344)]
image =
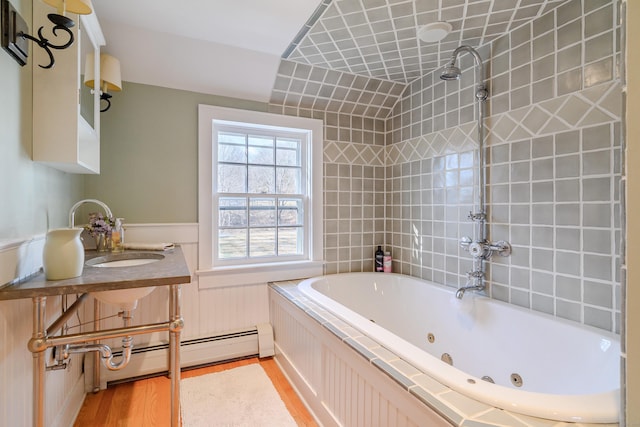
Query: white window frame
[(221, 274)]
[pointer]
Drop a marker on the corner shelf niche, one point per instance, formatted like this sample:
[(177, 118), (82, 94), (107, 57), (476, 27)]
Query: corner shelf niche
[(66, 135)]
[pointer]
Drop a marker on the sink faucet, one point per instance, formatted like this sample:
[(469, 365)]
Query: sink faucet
[(72, 211)]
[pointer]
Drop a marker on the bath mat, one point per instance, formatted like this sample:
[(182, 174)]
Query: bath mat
[(237, 397)]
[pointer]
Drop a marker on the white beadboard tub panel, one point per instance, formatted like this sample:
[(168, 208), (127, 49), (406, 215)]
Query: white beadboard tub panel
[(340, 387)]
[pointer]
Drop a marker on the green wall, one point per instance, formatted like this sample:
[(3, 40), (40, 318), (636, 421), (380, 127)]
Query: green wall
[(33, 197), (149, 153)]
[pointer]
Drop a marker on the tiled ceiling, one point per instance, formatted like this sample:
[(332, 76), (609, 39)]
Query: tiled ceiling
[(377, 39)]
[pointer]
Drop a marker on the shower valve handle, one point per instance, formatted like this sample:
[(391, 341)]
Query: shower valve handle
[(485, 250), (501, 247), (477, 216), (476, 249)]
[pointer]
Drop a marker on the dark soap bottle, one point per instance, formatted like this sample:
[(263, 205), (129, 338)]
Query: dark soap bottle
[(379, 260)]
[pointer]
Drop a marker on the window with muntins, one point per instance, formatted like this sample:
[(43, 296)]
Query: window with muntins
[(259, 197), (260, 194)]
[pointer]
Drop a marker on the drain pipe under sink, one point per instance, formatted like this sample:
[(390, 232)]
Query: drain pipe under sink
[(106, 354)]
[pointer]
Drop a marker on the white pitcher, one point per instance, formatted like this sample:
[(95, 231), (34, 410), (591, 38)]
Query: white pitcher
[(63, 255)]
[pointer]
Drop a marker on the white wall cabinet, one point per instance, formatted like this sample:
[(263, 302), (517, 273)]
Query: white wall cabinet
[(66, 130)]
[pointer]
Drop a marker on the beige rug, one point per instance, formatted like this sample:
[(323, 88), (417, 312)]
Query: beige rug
[(237, 397)]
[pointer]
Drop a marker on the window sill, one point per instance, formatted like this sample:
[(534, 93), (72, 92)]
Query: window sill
[(222, 277)]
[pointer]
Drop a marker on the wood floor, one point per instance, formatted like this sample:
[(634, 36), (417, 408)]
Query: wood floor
[(147, 402)]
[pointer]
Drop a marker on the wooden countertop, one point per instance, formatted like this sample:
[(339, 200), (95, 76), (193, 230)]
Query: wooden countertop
[(172, 270)]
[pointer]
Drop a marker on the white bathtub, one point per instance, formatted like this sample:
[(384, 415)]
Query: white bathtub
[(568, 372)]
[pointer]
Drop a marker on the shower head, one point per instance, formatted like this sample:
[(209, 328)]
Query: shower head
[(450, 72)]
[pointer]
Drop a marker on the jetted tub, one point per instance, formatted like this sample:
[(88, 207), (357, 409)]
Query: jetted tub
[(541, 365)]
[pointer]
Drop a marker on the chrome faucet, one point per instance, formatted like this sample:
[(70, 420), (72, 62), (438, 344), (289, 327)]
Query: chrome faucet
[(460, 292), (477, 277), (72, 211)]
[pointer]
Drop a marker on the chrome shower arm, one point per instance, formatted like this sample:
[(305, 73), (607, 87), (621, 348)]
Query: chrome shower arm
[(478, 60)]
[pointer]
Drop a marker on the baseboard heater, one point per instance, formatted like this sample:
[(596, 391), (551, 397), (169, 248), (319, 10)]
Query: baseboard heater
[(153, 359)]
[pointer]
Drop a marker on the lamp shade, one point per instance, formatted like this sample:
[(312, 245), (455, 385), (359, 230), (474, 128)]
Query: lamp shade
[(81, 7), (110, 80)]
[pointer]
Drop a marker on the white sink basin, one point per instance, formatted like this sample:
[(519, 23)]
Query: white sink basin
[(125, 259), (124, 299), (126, 262)]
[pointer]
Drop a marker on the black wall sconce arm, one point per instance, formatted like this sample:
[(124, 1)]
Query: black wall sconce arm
[(14, 34), (105, 97), (61, 23)]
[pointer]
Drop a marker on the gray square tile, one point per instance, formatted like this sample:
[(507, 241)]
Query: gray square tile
[(567, 190), (568, 288), (569, 34), (568, 238), (598, 267), (568, 310), (542, 259), (600, 294), (567, 166), (599, 318), (597, 189), (599, 47), (569, 81)]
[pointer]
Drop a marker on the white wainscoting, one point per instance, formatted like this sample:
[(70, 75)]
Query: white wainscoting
[(19, 259), (207, 313)]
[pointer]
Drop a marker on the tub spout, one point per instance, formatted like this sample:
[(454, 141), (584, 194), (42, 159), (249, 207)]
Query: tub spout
[(460, 292), (477, 278)]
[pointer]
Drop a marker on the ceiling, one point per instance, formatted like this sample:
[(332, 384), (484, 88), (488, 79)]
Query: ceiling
[(247, 48)]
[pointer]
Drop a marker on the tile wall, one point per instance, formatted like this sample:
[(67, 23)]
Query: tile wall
[(354, 192), (354, 110), (405, 179), (553, 147)]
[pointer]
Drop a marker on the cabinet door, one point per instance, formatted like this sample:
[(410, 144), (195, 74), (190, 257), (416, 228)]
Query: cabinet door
[(66, 116)]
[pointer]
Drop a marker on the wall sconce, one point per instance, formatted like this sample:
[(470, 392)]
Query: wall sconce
[(14, 29), (109, 76)]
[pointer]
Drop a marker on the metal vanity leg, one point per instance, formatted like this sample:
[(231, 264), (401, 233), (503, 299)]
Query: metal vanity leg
[(96, 354), (39, 332), (175, 327)]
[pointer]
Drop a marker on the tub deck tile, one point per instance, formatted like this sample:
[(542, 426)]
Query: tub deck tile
[(299, 304), (316, 316), (335, 331), (452, 414), (326, 315), (393, 373), (429, 399), (343, 326), (283, 290), (405, 368), (429, 384), (359, 348), (384, 354), (541, 422), (495, 418), (352, 332), (466, 405), (367, 342)]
